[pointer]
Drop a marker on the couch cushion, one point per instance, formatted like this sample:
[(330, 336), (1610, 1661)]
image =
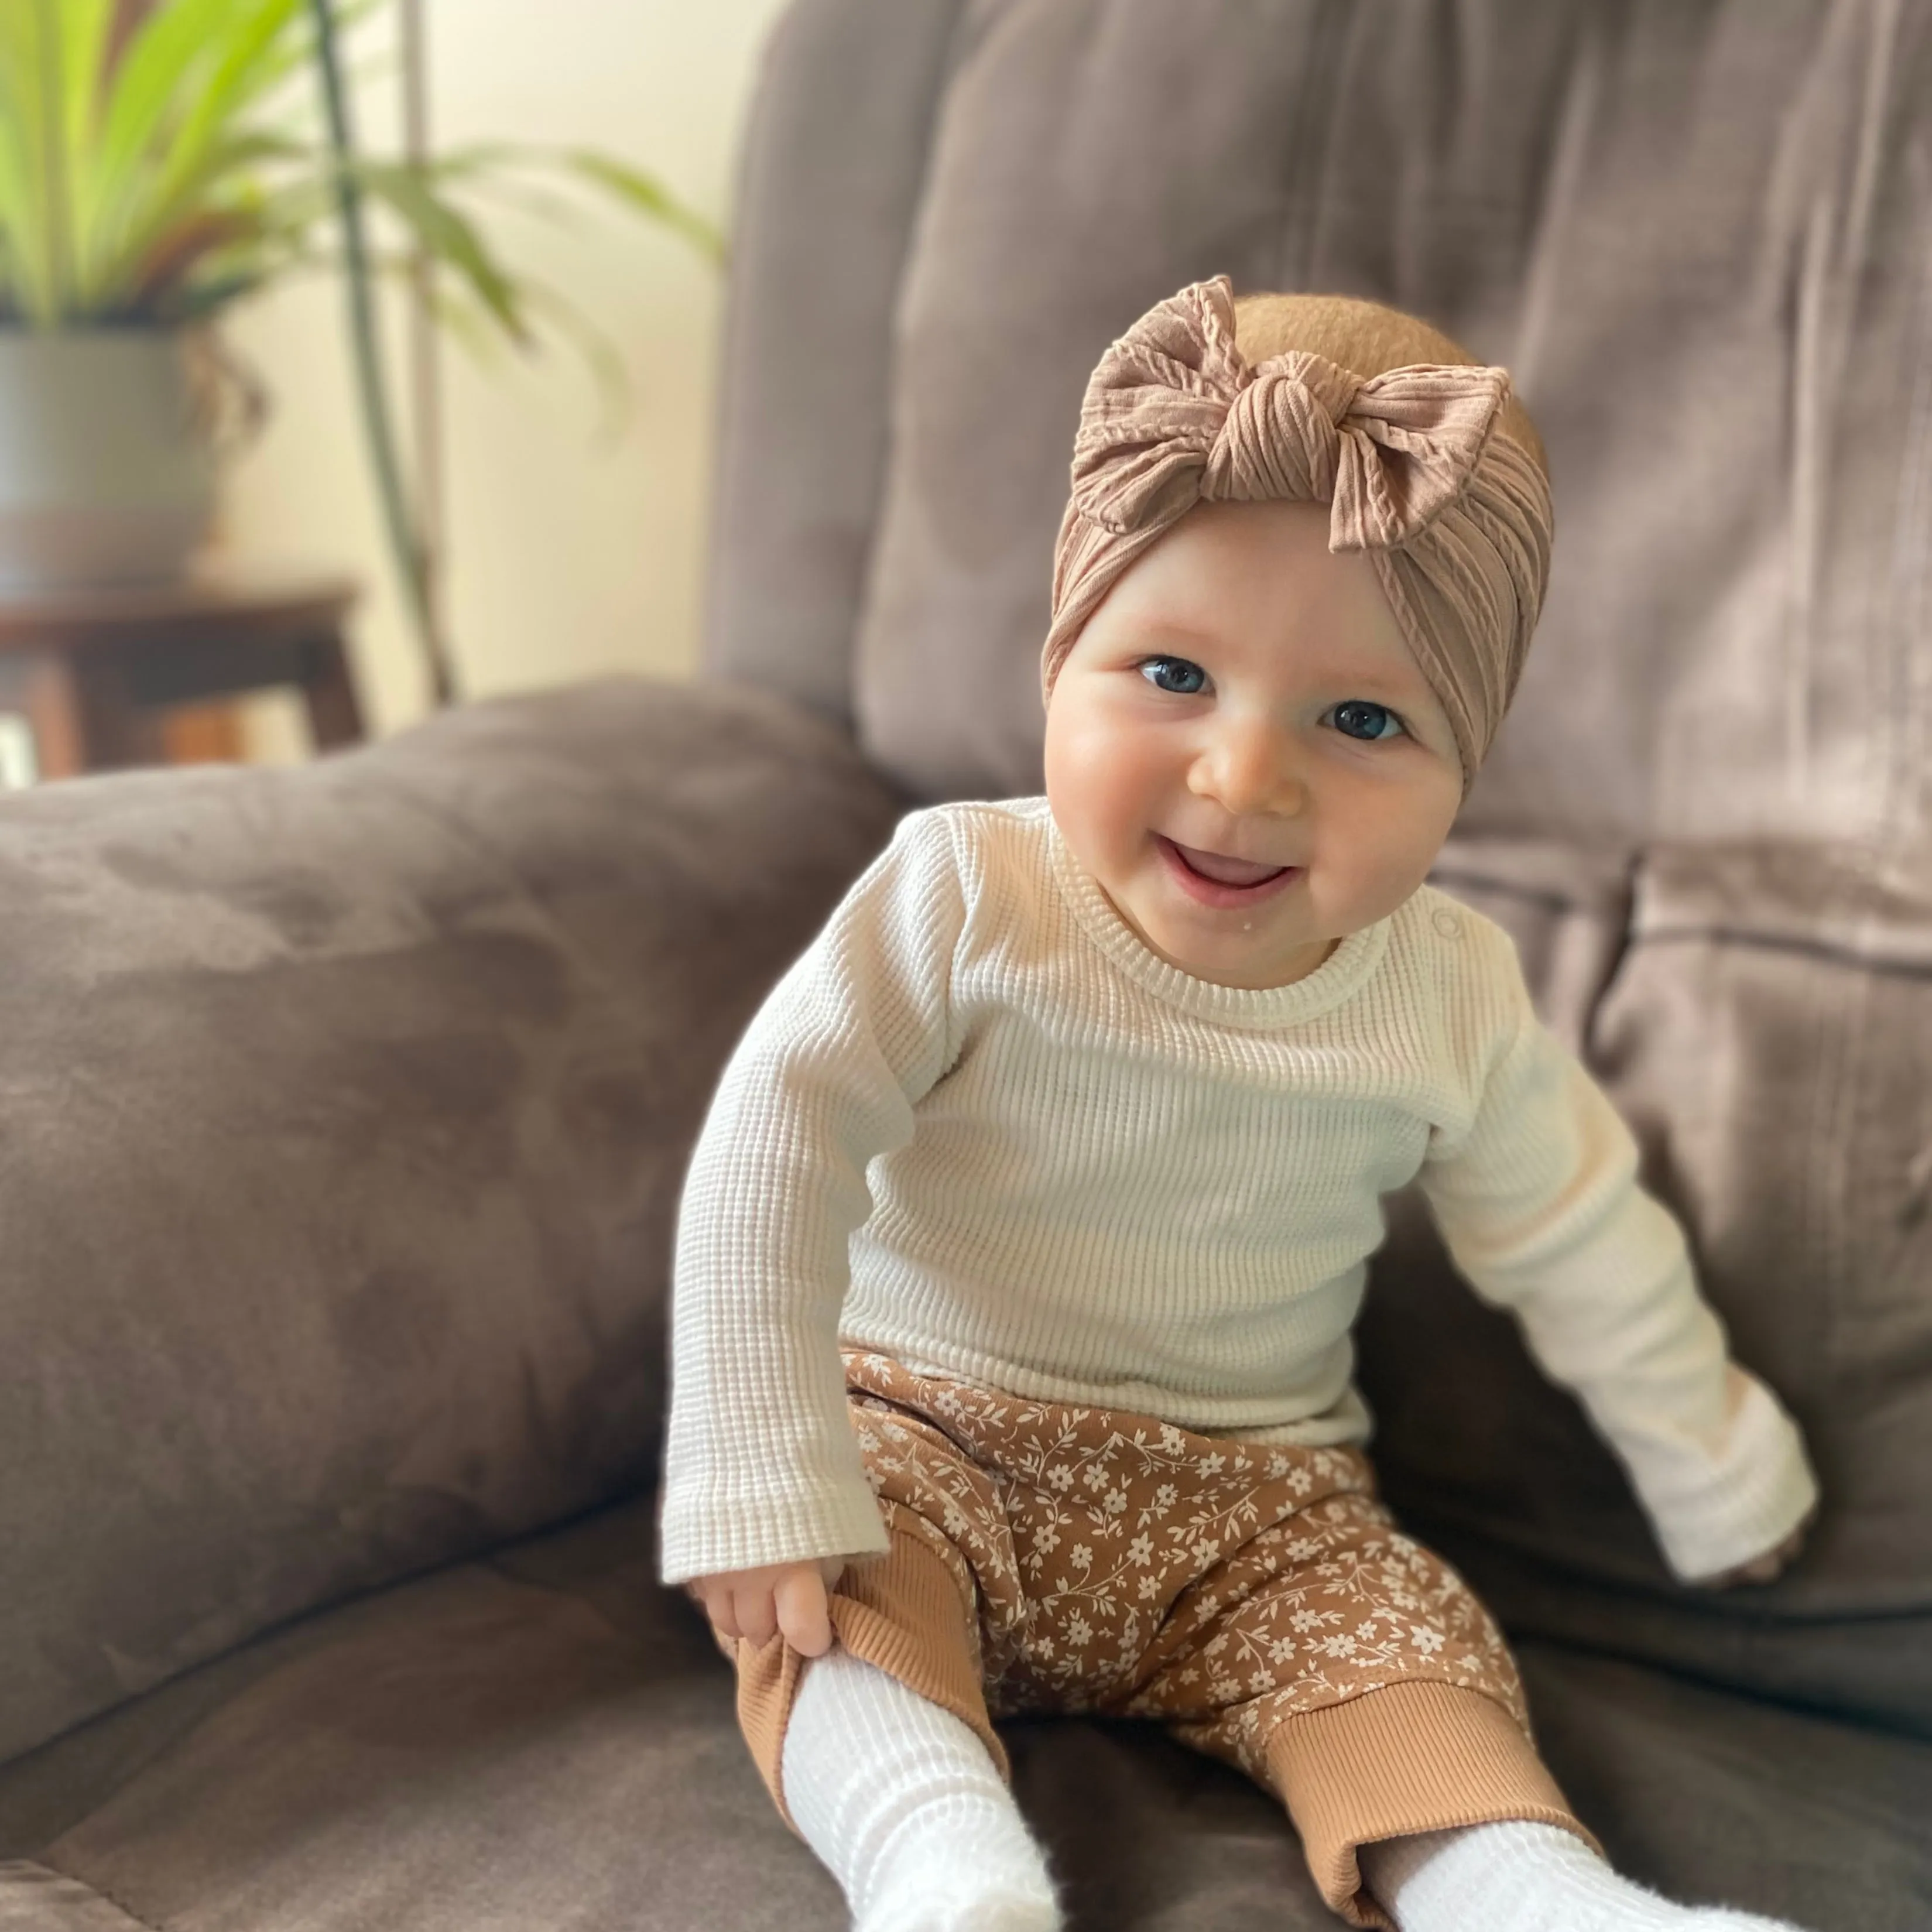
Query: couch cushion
[(548, 1739), (343, 1110), (1762, 1016), (33, 1899), (1716, 1799), (478, 1751)]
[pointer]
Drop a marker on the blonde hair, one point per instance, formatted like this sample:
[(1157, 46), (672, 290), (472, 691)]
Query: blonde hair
[(1365, 336)]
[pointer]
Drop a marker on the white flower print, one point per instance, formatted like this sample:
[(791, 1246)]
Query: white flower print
[(1114, 1563)]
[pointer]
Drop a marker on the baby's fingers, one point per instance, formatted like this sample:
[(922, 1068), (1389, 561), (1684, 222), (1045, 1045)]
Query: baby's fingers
[(802, 1612), (1764, 1569), (1774, 1562), (752, 1611), (715, 1602)]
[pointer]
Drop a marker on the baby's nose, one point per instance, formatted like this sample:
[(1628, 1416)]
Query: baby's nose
[(1252, 767)]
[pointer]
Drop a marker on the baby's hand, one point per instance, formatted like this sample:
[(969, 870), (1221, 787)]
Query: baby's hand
[(790, 1597), (1760, 1569)]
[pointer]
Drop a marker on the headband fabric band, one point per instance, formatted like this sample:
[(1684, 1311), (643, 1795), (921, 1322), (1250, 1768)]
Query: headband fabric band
[(1454, 514)]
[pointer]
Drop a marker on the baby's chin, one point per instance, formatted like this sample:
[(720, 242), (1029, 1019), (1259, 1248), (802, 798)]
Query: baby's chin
[(1259, 975), (1249, 951)]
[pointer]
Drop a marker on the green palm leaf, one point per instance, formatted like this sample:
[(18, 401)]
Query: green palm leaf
[(163, 180), (153, 78), (157, 177)]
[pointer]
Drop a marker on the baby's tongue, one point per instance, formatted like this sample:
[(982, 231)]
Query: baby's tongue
[(1226, 872)]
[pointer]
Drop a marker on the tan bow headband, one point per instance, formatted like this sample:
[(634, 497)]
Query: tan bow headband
[(1455, 515)]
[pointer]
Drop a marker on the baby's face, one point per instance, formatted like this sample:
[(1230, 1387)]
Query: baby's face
[(1242, 691)]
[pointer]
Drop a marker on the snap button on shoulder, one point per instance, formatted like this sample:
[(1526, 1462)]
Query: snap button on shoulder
[(1449, 925)]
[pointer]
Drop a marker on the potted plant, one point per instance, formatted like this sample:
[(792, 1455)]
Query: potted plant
[(160, 160)]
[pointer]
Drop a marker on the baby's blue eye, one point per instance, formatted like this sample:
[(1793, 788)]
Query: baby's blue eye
[(1150, 668), (1357, 718)]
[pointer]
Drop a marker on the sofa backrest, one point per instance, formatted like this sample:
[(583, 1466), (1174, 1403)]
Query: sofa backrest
[(1695, 234), (1699, 235)]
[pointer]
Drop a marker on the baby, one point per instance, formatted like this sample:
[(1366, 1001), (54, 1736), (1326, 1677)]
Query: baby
[(1018, 1258)]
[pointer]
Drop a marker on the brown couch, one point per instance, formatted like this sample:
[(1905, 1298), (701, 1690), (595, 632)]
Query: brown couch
[(343, 1110)]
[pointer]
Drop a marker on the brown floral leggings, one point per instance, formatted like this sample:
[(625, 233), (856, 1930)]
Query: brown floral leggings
[(1257, 1600)]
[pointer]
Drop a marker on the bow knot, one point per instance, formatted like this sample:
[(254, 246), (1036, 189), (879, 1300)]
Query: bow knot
[(1282, 435), (1175, 414)]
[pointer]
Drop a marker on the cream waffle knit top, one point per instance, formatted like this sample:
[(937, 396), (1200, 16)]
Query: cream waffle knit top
[(979, 1126)]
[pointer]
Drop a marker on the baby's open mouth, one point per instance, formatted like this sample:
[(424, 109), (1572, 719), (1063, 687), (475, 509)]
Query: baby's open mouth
[(1224, 871)]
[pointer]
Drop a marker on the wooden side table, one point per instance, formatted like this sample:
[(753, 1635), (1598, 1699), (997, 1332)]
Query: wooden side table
[(92, 671)]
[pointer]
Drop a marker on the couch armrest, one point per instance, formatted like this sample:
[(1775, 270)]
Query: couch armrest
[(345, 1111)]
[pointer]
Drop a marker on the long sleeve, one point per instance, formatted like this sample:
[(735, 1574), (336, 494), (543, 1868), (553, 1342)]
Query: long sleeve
[(1540, 1205), (761, 1465)]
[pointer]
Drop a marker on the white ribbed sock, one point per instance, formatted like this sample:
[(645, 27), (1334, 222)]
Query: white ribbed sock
[(1520, 1876), (904, 1806)]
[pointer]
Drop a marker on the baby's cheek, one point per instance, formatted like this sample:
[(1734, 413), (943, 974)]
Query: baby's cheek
[(1358, 882)]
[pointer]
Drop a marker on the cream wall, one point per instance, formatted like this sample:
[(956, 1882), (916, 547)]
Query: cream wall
[(567, 557)]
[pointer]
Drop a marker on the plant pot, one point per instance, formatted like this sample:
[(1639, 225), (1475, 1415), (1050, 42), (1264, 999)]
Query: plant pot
[(106, 459)]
